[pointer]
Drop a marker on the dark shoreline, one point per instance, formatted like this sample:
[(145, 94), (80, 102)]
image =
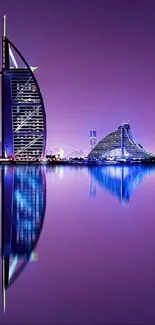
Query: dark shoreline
[(77, 163)]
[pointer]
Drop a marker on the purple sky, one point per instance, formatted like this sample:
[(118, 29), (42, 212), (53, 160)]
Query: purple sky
[(96, 64)]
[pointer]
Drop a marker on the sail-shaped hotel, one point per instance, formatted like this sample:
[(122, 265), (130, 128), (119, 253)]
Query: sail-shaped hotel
[(23, 112)]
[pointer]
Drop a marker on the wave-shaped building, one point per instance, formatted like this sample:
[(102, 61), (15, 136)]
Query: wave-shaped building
[(119, 144), (23, 112)]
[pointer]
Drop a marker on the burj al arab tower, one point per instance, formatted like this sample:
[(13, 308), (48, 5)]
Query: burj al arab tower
[(23, 112)]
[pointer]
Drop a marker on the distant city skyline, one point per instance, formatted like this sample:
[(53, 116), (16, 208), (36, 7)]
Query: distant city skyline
[(96, 65)]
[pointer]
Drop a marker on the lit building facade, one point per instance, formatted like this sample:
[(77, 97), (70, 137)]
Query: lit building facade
[(23, 112), (119, 144), (93, 139)]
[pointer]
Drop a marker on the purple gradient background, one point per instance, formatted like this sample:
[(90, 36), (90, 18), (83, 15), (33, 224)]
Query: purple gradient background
[(96, 258), (96, 64)]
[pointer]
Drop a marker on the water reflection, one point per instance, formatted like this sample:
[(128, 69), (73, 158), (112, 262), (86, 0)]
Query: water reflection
[(118, 180), (23, 209)]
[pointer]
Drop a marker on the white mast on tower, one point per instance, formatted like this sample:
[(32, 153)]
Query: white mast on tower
[(4, 26)]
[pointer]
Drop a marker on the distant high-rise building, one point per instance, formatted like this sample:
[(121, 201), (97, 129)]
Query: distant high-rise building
[(93, 139), (79, 153), (55, 150), (62, 152)]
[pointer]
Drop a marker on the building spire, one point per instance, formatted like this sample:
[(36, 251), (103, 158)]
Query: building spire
[(4, 26)]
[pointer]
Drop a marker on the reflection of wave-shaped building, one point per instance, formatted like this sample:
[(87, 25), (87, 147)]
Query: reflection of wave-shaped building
[(23, 209), (119, 180), (120, 144), (23, 112)]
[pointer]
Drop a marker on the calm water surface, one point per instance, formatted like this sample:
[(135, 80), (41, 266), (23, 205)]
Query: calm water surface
[(92, 233)]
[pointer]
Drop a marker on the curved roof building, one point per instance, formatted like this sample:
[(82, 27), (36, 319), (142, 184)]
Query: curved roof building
[(119, 144), (23, 112)]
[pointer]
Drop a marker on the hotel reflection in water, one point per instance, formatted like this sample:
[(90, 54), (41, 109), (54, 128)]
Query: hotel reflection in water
[(23, 208), (119, 181)]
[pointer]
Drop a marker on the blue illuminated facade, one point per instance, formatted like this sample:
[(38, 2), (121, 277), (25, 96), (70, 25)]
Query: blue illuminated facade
[(119, 144), (23, 112)]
